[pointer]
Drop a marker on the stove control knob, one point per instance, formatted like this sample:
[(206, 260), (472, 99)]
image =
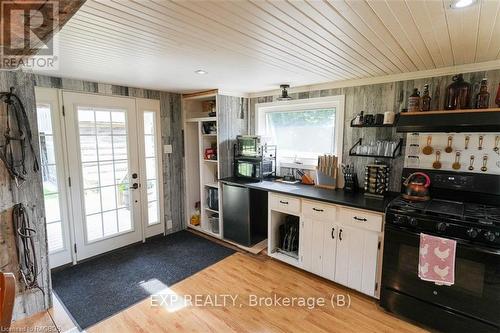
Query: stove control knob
[(489, 236), (472, 233), (413, 222), (400, 219), (441, 226)]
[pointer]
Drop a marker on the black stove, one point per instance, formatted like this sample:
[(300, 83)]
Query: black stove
[(477, 223), (464, 207)]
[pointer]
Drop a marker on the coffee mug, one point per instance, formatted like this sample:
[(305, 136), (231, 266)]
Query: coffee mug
[(389, 118)]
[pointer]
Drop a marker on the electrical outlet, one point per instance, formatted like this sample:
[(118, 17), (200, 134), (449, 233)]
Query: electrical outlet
[(167, 149), (169, 224)]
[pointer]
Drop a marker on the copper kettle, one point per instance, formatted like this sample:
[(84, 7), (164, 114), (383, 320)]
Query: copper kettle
[(417, 187)]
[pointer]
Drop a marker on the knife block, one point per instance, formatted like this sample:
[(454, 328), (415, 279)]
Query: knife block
[(325, 181)]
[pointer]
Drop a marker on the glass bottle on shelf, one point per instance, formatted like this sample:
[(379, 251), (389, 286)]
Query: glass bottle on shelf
[(483, 97), (426, 99), (458, 94), (414, 101)]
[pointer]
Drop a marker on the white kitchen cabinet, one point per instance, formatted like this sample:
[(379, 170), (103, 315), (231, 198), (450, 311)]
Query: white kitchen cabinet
[(318, 247), (336, 242), (357, 258)]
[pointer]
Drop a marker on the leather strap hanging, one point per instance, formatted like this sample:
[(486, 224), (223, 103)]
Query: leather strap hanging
[(17, 130), (25, 244)]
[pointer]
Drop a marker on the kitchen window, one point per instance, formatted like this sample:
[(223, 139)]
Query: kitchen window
[(302, 129)]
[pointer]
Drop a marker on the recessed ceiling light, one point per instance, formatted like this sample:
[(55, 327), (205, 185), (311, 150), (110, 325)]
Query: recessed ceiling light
[(457, 4), (201, 72)]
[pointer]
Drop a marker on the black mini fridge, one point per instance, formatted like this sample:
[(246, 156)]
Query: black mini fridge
[(244, 213)]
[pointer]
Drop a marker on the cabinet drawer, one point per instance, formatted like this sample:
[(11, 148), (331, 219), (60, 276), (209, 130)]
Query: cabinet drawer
[(285, 203), (318, 211), (361, 219)]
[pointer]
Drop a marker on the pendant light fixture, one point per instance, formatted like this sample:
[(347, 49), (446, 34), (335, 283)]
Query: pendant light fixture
[(284, 93)]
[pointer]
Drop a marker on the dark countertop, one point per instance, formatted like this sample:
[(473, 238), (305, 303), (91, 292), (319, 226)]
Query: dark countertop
[(357, 200)]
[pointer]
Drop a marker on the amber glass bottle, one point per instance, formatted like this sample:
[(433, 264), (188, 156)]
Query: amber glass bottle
[(414, 101), (458, 94), (483, 97), (426, 99)]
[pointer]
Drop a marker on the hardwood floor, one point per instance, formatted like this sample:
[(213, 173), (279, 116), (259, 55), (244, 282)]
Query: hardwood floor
[(56, 319), (243, 275)]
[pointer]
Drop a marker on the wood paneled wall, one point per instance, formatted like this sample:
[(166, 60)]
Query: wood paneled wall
[(232, 121), (30, 194), (171, 133), (379, 98)]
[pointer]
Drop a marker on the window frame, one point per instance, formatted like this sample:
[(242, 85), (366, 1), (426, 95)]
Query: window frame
[(337, 102)]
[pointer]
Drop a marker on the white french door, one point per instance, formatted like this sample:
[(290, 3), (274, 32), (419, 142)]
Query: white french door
[(90, 160), (113, 183)]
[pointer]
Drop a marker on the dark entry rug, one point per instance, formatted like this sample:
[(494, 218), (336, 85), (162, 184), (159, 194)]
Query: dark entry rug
[(98, 288)]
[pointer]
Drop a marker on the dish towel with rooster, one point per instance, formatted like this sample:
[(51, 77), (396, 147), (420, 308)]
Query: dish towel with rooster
[(436, 262)]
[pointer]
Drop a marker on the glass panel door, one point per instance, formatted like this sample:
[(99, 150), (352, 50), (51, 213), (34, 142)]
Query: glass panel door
[(104, 164), (150, 161), (53, 176)]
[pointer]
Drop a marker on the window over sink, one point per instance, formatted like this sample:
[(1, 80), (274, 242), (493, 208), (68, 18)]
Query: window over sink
[(302, 129)]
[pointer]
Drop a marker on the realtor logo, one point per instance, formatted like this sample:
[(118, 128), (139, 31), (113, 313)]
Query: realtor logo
[(29, 34)]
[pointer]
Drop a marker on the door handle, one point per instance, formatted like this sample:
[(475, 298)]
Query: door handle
[(333, 233), (284, 202), (134, 186), (340, 234), (360, 219), (318, 210)]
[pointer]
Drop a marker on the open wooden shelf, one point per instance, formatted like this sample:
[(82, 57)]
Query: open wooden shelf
[(467, 120), (448, 111)]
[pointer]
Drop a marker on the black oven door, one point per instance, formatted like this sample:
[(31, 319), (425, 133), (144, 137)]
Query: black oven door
[(475, 294)]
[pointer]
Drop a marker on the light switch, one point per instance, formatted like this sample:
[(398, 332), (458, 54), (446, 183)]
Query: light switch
[(167, 149)]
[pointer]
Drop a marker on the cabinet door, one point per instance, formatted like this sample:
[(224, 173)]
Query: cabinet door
[(370, 262), (330, 231), (317, 249), (305, 244), (342, 259), (356, 262)]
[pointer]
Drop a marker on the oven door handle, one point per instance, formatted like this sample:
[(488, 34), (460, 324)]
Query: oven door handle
[(466, 244)]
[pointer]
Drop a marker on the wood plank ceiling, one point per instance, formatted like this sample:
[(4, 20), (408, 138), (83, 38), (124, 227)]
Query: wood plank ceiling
[(256, 45)]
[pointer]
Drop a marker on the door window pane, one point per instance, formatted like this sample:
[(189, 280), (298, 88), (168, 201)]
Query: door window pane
[(88, 148), (52, 211), (90, 174), (109, 223), (151, 163), (94, 227), (55, 237), (124, 220), (151, 168), (106, 173), (52, 200), (106, 183), (153, 212)]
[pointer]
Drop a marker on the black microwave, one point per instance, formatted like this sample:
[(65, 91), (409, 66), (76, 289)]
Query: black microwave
[(253, 169), (248, 145)]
